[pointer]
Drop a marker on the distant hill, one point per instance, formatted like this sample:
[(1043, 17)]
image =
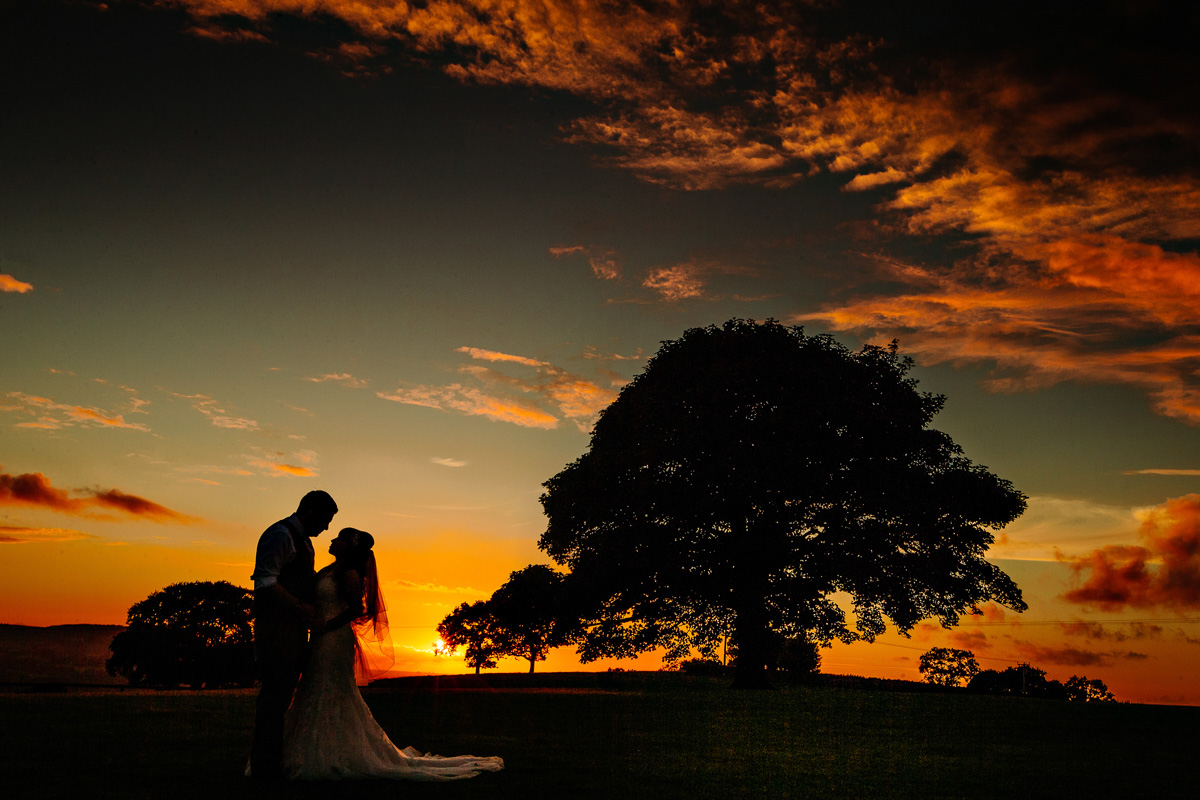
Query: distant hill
[(56, 654)]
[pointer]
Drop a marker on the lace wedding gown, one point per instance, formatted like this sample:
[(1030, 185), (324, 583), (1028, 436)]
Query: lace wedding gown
[(330, 732)]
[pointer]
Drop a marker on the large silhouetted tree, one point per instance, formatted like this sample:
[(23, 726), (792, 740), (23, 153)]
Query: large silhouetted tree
[(528, 610), (193, 634), (473, 627), (751, 472)]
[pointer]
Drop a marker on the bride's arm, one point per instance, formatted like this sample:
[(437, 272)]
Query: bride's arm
[(351, 588)]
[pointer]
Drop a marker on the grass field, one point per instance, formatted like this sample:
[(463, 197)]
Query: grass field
[(635, 735)]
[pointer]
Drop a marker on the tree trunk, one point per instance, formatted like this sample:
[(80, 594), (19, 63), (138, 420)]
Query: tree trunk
[(476, 669), (750, 633), (531, 661)]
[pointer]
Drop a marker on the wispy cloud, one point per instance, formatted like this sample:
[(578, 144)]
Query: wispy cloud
[(344, 378), (448, 462), (538, 400), (52, 415), (17, 535), (300, 464), (1068, 656), (10, 284), (216, 414), (34, 490), (605, 262), (1189, 473)]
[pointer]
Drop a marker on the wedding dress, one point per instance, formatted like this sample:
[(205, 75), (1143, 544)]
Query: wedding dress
[(330, 732)]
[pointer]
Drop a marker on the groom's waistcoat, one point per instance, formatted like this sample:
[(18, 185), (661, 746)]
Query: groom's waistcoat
[(297, 574)]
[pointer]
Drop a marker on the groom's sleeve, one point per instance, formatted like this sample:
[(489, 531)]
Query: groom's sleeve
[(274, 550)]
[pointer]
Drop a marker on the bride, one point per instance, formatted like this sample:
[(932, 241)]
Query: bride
[(329, 731)]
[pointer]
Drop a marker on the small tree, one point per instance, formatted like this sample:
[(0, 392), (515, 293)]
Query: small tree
[(945, 666), (473, 627), (1082, 690), (529, 613), (195, 634)]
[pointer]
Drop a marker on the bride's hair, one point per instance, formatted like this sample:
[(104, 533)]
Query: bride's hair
[(373, 644)]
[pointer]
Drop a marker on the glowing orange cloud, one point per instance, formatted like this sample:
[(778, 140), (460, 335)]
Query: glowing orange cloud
[(10, 284), (53, 415), (504, 397), (34, 490), (14, 535), (276, 464), (1163, 572)]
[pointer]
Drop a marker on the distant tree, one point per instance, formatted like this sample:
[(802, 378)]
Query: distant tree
[(797, 656), (749, 474), (1083, 690), (1022, 680), (193, 634), (945, 666), (473, 627), (529, 613)]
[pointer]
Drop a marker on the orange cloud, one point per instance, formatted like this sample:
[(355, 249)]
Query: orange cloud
[(34, 490), (605, 263), (10, 284), (279, 464), (1162, 572), (344, 378), (473, 402), (15, 535), (52, 415), (217, 415), (505, 398)]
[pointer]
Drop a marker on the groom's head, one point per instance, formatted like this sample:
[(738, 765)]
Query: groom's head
[(316, 511)]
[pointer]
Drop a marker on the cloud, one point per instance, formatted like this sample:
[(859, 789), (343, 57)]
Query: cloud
[(300, 464), (448, 462), (217, 415), (688, 280), (1163, 571), (344, 378), (492, 355), (16, 535), (1097, 631), (473, 402), (34, 490), (10, 284), (605, 262), (1060, 176), (1191, 473), (542, 401), (52, 415), (1067, 656)]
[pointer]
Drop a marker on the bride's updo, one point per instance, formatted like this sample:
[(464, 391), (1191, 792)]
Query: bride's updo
[(357, 554)]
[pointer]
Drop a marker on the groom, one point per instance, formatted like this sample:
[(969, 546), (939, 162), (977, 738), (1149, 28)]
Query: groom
[(283, 613)]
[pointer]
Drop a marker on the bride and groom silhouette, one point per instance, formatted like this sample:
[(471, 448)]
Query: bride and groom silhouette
[(313, 632)]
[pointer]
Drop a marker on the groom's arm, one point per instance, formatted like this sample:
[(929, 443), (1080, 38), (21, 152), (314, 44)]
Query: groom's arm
[(274, 550)]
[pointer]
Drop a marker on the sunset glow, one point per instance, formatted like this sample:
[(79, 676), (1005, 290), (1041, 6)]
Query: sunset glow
[(408, 253)]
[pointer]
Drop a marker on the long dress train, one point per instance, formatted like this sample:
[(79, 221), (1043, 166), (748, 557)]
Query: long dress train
[(331, 733)]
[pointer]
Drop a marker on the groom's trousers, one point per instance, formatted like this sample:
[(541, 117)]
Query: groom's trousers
[(279, 644)]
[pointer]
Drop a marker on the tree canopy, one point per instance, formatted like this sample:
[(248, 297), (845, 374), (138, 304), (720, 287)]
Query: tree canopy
[(473, 627), (946, 666), (748, 474), (193, 634), (523, 619)]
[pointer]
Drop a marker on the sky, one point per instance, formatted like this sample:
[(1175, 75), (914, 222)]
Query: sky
[(406, 253)]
